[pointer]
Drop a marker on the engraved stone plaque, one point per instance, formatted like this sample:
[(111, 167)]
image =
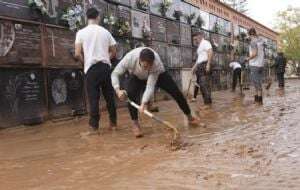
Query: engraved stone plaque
[(161, 49), (173, 32), (158, 28), (20, 43), (138, 21), (60, 47), (174, 57), (185, 35), (187, 57)]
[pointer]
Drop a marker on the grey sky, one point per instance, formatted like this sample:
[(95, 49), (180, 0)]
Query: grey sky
[(264, 11)]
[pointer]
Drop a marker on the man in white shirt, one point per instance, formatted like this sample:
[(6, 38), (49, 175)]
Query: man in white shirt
[(237, 74), (256, 63), (95, 46), (147, 71), (202, 67)]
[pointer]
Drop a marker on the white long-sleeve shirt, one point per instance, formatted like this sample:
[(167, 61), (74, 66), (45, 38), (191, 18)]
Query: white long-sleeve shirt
[(131, 63)]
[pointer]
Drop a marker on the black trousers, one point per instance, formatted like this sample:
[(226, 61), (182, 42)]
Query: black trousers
[(196, 89), (165, 82), (237, 75), (204, 81), (98, 79), (280, 78)]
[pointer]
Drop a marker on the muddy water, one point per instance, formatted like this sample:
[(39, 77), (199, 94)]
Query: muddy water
[(243, 146)]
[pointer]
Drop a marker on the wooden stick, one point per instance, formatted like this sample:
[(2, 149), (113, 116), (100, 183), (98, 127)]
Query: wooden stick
[(152, 116)]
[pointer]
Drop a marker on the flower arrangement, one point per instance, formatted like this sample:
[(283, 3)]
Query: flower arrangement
[(142, 4), (118, 26), (164, 7), (109, 21), (74, 15), (190, 18), (177, 14), (38, 5), (122, 28), (199, 22)]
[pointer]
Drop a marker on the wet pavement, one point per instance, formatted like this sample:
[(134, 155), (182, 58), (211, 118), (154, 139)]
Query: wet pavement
[(244, 146)]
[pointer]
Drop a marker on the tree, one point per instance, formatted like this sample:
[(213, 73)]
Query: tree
[(239, 5), (289, 28)]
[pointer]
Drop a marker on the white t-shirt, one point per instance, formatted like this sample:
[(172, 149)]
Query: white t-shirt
[(96, 41), (202, 51), (235, 65), (257, 44)]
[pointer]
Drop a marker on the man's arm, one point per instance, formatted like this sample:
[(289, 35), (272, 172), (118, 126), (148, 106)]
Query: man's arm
[(112, 51), (253, 52), (209, 55), (150, 87), (120, 69), (78, 52)]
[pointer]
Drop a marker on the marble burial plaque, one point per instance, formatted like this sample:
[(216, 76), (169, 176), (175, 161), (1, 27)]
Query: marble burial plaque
[(158, 28), (20, 9), (101, 5), (123, 47), (161, 49), (154, 6), (185, 35), (187, 57), (65, 92), (173, 32), (60, 46), (138, 21), (174, 6), (22, 97), (186, 10), (124, 13), (20, 43), (112, 10), (174, 57)]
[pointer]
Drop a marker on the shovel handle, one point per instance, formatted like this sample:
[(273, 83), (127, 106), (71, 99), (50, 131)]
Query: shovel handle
[(146, 112)]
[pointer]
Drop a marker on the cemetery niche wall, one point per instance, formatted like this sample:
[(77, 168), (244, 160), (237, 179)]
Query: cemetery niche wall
[(43, 43)]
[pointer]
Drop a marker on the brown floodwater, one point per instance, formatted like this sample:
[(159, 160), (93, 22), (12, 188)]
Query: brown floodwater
[(243, 146)]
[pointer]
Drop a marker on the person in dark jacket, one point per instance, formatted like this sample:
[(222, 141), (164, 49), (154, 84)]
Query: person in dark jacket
[(280, 64)]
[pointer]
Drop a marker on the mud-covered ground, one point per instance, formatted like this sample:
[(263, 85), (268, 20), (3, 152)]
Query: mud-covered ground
[(243, 146)]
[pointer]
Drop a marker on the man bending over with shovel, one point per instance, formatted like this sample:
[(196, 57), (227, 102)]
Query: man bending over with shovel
[(147, 70)]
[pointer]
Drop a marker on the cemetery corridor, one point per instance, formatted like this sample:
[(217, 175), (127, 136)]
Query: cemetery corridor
[(243, 146)]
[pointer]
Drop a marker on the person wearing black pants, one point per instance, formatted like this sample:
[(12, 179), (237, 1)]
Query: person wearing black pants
[(98, 80), (95, 47), (204, 81), (164, 82), (202, 68), (147, 72), (280, 64)]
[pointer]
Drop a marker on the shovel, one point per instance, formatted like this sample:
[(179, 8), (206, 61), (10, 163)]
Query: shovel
[(176, 136)]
